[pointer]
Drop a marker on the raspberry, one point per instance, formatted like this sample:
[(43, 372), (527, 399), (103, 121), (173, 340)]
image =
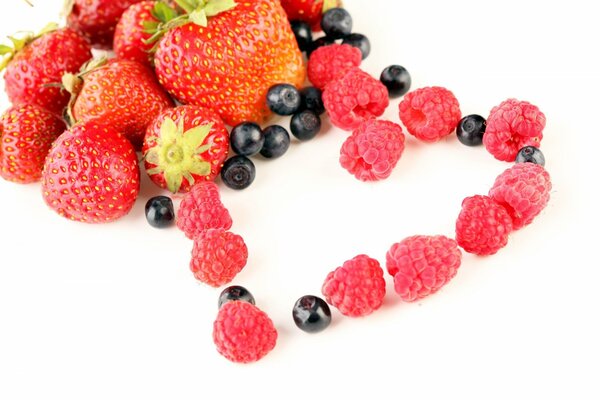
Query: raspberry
[(430, 113), (356, 288), (201, 209), (524, 190), (218, 256), (511, 126), (243, 333), (354, 98), (421, 265), (373, 150), (482, 226), (328, 63)]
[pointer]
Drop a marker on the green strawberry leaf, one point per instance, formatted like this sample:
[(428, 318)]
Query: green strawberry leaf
[(196, 136), (214, 7), (4, 49), (188, 5), (198, 17), (163, 12), (150, 27)]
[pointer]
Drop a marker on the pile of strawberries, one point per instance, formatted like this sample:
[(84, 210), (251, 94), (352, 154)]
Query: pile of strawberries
[(183, 71)]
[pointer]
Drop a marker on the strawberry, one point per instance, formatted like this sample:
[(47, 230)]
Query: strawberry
[(36, 61), (96, 19), (309, 11), (135, 27), (91, 174), (184, 145), (122, 93), (225, 55), (26, 134)]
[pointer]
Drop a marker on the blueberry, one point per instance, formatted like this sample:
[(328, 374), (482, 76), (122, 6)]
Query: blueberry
[(159, 212), (396, 79), (303, 34), (311, 314), (283, 99), (312, 99), (359, 41), (246, 139), (336, 23), (470, 130), (277, 142), (305, 125), (238, 172), (531, 154), (235, 293), (320, 42)]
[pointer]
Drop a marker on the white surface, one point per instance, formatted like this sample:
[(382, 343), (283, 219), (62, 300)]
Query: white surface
[(112, 312)]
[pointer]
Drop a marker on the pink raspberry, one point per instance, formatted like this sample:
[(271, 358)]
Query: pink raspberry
[(482, 226), (218, 256), (243, 333), (328, 63), (354, 98), (421, 265), (357, 288), (201, 209), (511, 126), (373, 150), (524, 190), (430, 113)]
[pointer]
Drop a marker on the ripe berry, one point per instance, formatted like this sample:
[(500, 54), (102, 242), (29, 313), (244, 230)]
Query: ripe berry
[(303, 34), (311, 314), (235, 293), (246, 139), (531, 154), (312, 99), (320, 42), (238, 172), (283, 99), (336, 23), (277, 142), (305, 125), (159, 212), (359, 41), (470, 130), (396, 79)]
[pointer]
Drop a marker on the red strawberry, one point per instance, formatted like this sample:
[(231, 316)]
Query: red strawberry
[(121, 93), (184, 145), (96, 19), (229, 61), (91, 174), (309, 11), (132, 30), (36, 61), (26, 134)]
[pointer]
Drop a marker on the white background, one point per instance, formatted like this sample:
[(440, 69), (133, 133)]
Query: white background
[(112, 311)]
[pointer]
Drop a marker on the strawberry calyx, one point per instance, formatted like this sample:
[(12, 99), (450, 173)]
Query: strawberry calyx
[(195, 11), (20, 41), (176, 154)]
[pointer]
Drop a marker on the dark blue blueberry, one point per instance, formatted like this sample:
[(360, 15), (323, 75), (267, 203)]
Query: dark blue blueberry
[(311, 314), (336, 23), (303, 34), (470, 130), (246, 139), (277, 142), (359, 41), (238, 172), (312, 99), (159, 212), (531, 154), (320, 42), (305, 125), (235, 293), (397, 80), (283, 99)]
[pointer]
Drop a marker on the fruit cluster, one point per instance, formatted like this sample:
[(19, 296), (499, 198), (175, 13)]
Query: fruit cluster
[(184, 72)]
